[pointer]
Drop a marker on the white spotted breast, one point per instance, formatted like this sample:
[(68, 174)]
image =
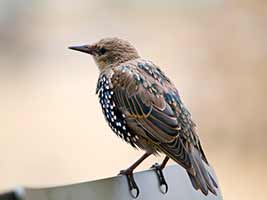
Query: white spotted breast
[(113, 116)]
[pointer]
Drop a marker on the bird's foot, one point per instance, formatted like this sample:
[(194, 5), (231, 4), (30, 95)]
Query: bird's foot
[(134, 190), (162, 182)]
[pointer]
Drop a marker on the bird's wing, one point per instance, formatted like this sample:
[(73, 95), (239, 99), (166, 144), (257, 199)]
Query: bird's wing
[(143, 93), (141, 98)]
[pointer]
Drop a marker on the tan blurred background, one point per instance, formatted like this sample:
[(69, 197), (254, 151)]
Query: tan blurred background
[(52, 129)]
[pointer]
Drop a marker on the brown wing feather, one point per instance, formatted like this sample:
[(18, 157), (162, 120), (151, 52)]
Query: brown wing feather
[(136, 100)]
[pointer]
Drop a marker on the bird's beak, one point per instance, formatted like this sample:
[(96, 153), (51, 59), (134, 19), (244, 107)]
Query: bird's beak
[(84, 48)]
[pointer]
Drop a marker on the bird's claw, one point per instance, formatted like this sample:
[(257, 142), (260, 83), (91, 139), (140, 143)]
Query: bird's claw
[(162, 182), (134, 190)]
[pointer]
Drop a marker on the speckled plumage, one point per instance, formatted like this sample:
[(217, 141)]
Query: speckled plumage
[(113, 116), (143, 107)]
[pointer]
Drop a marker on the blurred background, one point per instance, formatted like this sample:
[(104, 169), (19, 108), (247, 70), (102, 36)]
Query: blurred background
[(52, 129)]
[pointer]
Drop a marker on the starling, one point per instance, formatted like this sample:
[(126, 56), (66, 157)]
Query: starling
[(144, 108)]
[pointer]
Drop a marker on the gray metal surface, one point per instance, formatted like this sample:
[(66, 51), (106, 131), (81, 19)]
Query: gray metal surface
[(116, 188)]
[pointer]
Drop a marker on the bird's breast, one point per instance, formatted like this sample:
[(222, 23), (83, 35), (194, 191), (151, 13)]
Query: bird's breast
[(112, 114)]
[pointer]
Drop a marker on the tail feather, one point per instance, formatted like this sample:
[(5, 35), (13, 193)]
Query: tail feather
[(202, 179), (198, 184), (194, 161), (213, 181)]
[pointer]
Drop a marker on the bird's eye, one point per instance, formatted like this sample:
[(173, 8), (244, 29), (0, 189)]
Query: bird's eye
[(102, 51)]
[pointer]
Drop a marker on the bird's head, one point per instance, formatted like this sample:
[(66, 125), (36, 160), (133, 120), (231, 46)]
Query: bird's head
[(109, 52)]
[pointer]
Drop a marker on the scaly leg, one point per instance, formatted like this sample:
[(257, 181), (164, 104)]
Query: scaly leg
[(129, 175), (158, 169)]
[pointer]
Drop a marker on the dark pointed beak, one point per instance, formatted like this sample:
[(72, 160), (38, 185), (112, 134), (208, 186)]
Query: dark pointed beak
[(84, 48)]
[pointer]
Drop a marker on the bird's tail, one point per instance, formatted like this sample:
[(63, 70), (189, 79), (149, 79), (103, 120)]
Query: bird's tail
[(201, 178), (195, 163)]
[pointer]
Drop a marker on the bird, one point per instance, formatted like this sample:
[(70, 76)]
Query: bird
[(143, 107)]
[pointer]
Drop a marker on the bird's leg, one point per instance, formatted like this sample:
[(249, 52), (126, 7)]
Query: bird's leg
[(158, 169), (129, 175)]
